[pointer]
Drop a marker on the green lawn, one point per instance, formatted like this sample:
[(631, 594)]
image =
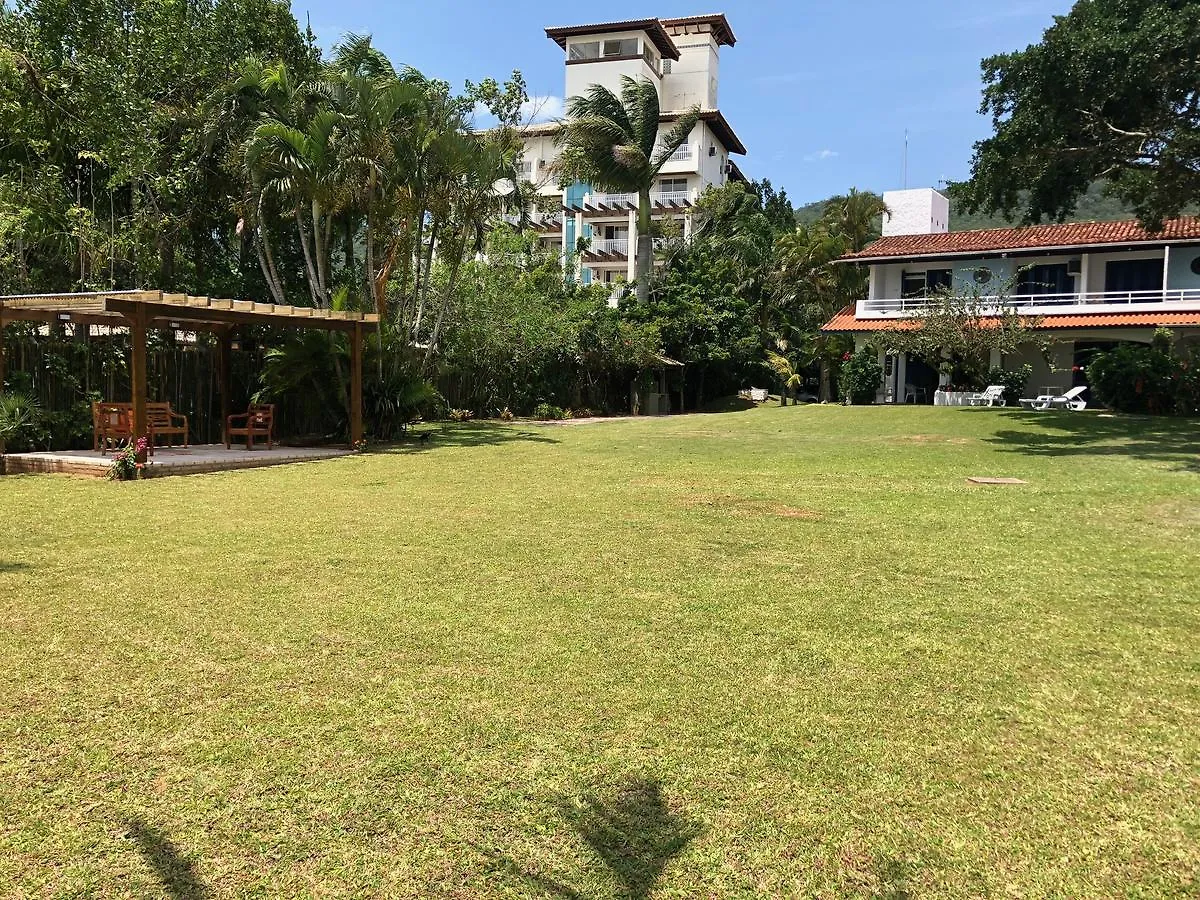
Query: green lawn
[(786, 651)]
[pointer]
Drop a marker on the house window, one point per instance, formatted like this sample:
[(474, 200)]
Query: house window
[(1040, 281), (650, 56), (1133, 275), (925, 284), (527, 167), (623, 47), (673, 185), (584, 50)]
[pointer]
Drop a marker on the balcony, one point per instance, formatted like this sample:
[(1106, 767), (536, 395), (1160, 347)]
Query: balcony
[(683, 154), (610, 247), (1041, 304), (658, 198)]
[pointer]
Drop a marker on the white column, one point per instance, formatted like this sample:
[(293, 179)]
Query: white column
[(1085, 265), (901, 376), (578, 236), (1166, 269), (631, 249), (687, 225), (566, 250), (881, 395)]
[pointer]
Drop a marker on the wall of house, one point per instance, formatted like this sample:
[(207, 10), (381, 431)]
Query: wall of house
[(915, 211), (607, 72), (694, 76), (1179, 268), (712, 168), (541, 152)]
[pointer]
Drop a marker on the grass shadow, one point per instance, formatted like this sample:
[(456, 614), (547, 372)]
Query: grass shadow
[(12, 566), (632, 831), (463, 434), (176, 873), (1060, 434)]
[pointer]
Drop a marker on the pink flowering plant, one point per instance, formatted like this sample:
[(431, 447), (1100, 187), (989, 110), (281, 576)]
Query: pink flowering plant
[(126, 464)]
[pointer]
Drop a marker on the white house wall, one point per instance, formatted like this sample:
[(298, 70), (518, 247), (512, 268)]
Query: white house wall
[(607, 72)]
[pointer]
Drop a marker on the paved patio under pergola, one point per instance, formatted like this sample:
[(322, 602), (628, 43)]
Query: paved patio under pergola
[(140, 311)]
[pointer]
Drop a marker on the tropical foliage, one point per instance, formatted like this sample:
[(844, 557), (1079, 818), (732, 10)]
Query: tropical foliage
[(613, 144), (1110, 92)]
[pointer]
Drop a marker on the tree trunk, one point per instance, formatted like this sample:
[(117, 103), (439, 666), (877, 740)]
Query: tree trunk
[(308, 260), (825, 391), (645, 247)]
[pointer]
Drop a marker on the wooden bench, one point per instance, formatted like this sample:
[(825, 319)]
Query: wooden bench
[(257, 421), (162, 420), (112, 424)]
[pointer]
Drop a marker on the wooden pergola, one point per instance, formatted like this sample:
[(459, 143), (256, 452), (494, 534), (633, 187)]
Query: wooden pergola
[(141, 310)]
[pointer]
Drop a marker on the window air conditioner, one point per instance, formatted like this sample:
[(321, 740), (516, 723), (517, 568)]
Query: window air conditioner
[(1074, 266)]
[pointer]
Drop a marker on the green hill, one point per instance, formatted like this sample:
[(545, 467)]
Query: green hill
[(1093, 206)]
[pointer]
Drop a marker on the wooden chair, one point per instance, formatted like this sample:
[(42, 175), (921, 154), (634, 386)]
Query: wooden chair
[(112, 423), (162, 420), (257, 421)]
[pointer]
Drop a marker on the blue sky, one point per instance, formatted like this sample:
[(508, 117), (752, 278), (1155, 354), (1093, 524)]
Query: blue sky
[(819, 92)]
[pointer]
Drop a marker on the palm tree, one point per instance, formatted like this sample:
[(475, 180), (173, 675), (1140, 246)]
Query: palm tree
[(612, 143), (813, 285)]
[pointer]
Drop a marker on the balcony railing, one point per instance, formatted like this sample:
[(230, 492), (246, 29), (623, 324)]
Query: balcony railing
[(1038, 304), (619, 246), (683, 154), (658, 198)]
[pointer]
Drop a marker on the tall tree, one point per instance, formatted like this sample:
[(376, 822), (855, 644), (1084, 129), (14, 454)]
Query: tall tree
[(1110, 92), (613, 144), (812, 284)]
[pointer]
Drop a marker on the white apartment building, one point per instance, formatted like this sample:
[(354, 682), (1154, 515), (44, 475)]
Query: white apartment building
[(681, 57)]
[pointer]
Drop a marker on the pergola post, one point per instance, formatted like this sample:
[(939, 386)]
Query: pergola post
[(224, 351), (137, 371), (356, 378), (3, 363)]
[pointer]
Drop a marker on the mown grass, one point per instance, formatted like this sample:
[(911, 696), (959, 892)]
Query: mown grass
[(776, 652)]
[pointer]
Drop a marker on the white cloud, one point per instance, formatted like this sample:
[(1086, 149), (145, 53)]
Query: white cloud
[(821, 156), (543, 108)]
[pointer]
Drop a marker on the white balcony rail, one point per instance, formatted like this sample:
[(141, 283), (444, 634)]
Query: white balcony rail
[(683, 154), (658, 198), (610, 199), (1036, 303), (611, 245)]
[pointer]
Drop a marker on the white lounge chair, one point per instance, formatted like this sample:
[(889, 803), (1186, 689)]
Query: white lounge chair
[(992, 396), (1069, 400)]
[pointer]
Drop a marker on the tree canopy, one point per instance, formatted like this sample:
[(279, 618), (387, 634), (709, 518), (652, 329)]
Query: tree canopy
[(1112, 91)]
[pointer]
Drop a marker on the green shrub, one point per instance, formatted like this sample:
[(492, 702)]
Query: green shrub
[(20, 419), (547, 411), (1014, 381), (860, 376), (1138, 379)]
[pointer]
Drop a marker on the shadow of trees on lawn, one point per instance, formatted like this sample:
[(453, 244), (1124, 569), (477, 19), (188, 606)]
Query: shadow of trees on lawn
[(6, 566), (463, 434), (631, 830), (176, 873), (1152, 438)]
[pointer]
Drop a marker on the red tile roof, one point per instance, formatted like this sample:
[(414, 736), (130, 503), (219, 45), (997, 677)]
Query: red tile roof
[(846, 321), (1068, 236)]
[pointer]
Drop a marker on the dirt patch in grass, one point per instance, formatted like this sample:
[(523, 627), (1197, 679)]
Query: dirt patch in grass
[(931, 439), (1180, 513), (749, 506)]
